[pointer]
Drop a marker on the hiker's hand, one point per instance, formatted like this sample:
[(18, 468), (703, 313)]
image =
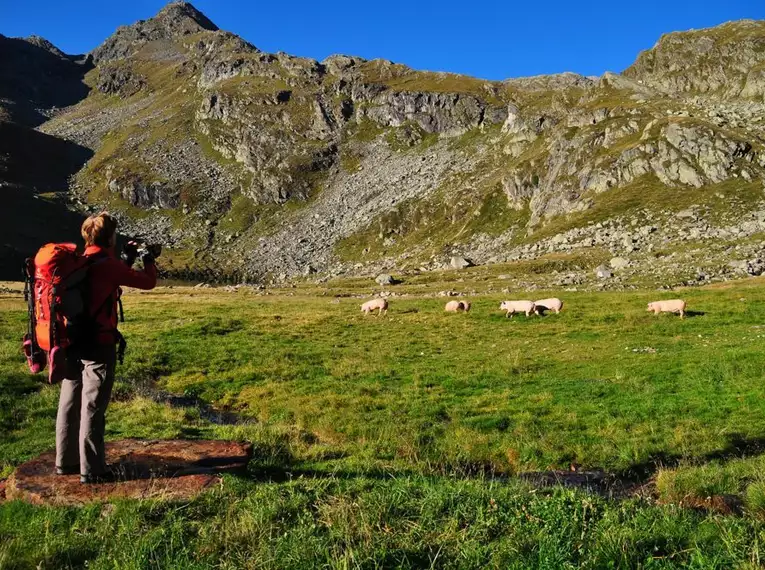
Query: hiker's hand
[(129, 253), (151, 253), (155, 250)]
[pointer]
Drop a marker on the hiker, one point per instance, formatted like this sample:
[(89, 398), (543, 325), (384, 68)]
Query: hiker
[(90, 362)]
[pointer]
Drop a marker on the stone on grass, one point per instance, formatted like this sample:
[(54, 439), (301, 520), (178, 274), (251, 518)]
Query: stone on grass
[(603, 272), (385, 279), (460, 262)]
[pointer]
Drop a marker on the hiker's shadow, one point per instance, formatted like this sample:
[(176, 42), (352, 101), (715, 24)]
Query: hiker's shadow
[(137, 467)]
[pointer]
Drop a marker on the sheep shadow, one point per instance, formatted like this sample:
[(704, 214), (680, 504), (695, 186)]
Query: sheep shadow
[(692, 314)]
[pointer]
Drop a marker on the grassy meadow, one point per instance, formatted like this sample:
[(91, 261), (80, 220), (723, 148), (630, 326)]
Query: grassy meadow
[(414, 440)]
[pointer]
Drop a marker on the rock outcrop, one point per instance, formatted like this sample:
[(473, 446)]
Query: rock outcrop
[(724, 61)]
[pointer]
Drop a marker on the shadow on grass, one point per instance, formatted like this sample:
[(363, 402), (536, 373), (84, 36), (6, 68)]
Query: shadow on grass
[(635, 481), (738, 446), (692, 314)]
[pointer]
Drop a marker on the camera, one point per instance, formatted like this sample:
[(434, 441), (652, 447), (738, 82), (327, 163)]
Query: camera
[(155, 250), (133, 249)]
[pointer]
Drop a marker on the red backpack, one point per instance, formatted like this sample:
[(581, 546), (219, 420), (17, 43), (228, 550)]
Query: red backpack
[(56, 293)]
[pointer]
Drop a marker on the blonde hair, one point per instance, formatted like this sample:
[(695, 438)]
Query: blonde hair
[(99, 229)]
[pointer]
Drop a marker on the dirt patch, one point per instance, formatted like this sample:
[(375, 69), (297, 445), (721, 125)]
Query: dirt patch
[(603, 483), (157, 469)]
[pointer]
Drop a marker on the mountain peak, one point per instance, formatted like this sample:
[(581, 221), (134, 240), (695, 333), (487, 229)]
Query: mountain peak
[(42, 43), (174, 20), (179, 15)]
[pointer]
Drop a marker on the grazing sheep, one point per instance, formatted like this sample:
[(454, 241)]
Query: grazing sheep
[(670, 306), (553, 304), (370, 306), (512, 307), (457, 306)]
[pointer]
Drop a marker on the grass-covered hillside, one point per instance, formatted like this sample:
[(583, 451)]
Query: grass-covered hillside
[(421, 439), (257, 166)]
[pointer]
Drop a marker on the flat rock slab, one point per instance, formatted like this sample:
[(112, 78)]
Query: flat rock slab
[(156, 469)]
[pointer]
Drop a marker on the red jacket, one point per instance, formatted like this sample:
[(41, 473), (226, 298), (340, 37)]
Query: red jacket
[(105, 277)]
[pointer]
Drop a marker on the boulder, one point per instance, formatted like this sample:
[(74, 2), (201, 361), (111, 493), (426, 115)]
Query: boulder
[(619, 263), (756, 267), (384, 279), (460, 262), (687, 214), (603, 272), (739, 265)]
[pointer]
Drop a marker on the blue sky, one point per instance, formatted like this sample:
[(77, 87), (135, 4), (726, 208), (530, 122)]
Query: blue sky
[(489, 39)]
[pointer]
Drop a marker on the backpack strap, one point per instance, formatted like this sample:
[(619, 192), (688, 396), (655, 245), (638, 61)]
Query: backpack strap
[(29, 297), (121, 346)]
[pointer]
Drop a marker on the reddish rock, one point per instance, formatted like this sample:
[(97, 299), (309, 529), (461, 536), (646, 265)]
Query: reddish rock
[(2, 490), (166, 469)]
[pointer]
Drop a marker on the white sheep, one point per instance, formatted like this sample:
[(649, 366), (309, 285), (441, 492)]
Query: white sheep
[(370, 306), (512, 307)]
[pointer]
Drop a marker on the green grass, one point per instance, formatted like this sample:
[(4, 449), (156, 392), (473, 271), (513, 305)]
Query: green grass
[(378, 440)]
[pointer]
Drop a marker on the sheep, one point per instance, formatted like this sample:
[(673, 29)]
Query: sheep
[(552, 304), (670, 306), (457, 306), (370, 306), (512, 307)]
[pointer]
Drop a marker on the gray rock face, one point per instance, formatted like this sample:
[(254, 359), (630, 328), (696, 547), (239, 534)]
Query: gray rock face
[(144, 196), (445, 113)]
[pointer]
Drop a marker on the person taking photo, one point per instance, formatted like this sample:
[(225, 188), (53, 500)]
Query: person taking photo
[(90, 366)]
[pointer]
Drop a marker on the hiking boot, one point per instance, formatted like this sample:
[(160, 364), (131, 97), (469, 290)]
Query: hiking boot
[(67, 470), (108, 476)]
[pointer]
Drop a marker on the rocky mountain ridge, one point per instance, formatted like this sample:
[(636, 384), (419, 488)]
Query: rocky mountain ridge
[(263, 166)]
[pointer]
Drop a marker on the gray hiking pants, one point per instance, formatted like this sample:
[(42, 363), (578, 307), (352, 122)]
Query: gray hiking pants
[(81, 419)]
